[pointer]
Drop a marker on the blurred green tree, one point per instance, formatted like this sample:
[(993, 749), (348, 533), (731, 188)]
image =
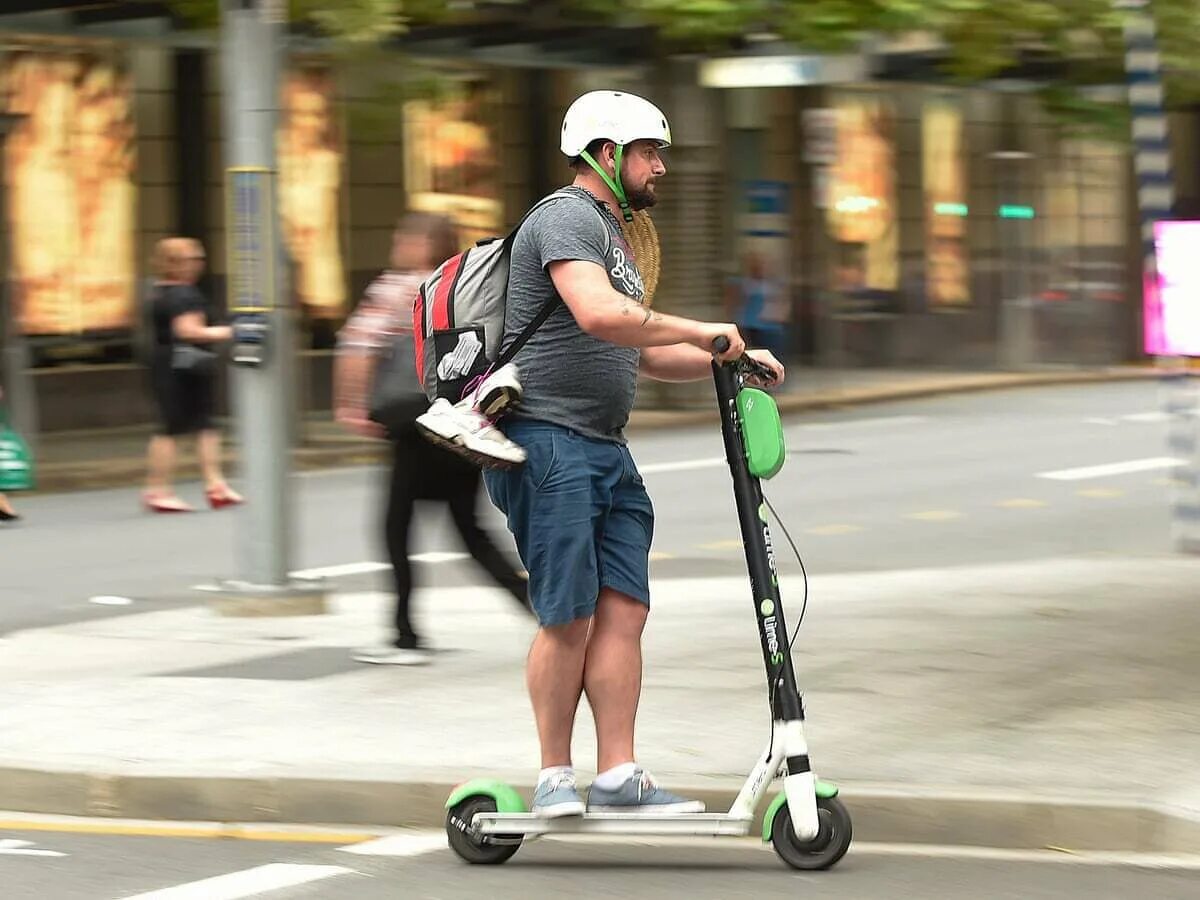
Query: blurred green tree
[(980, 38)]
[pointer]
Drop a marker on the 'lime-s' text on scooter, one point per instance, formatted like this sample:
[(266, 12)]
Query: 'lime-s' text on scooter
[(809, 827)]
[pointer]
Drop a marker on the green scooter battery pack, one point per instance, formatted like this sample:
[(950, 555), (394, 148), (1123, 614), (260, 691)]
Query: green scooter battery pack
[(762, 432)]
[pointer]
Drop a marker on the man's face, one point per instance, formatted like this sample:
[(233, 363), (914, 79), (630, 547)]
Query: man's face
[(641, 167)]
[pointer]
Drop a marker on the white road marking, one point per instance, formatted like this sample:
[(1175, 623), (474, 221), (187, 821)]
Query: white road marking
[(435, 556), (11, 847), (109, 600), (247, 883), (1146, 417), (421, 842), (416, 843), (1062, 856), (686, 465), (1105, 471), (874, 422), (356, 568), (716, 462), (366, 567)]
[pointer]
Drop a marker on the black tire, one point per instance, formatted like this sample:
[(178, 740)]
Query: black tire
[(489, 850), (829, 846)]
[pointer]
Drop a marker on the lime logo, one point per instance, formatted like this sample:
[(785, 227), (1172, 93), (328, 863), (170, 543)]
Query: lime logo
[(762, 511), (777, 659), (767, 607)]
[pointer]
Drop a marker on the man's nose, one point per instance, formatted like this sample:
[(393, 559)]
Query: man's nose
[(659, 168)]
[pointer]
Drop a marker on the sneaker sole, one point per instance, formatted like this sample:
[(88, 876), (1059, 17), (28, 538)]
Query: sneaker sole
[(655, 809), (498, 400), (459, 446), (560, 810)]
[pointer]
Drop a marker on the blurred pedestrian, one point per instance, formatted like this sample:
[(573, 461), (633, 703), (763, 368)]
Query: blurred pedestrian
[(183, 372), (7, 513), (381, 329), (758, 305)]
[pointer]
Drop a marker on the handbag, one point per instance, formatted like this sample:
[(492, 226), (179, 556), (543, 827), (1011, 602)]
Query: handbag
[(396, 397), (16, 462), (192, 359)]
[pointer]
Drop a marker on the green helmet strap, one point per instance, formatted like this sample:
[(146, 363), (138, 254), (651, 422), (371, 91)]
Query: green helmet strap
[(614, 184)]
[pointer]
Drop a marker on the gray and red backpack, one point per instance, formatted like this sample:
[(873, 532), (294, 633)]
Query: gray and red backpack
[(458, 316)]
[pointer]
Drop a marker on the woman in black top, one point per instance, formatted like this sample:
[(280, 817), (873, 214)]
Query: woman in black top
[(7, 513), (183, 375)]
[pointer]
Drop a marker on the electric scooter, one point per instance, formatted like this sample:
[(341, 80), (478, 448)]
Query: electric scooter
[(807, 824)]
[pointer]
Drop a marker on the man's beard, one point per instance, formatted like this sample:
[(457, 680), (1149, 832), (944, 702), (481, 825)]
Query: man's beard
[(641, 199)]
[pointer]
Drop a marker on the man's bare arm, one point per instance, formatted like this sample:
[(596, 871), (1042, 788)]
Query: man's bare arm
[(609, 315)]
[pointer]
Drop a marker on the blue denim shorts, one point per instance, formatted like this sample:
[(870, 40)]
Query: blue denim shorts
[(581, 518)]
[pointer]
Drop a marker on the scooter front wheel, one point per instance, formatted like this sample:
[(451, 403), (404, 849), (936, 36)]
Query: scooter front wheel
[(823, 851), (478, 849)]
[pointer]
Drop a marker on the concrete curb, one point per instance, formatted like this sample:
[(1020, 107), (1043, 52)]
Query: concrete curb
[(125, 471), (911, 816)]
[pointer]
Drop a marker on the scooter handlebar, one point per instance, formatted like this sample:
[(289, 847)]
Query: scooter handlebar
[(746, 364)]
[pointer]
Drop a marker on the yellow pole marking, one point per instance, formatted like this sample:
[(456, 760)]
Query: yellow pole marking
[(1101, 493)]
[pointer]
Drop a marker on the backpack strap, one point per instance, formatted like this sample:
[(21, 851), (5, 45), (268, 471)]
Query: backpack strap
[(506, 356)]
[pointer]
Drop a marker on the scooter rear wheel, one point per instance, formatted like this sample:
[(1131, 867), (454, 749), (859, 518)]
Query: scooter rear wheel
[(830, 844), (479, 850)]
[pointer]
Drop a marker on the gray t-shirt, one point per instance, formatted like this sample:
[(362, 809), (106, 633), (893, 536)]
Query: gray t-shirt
[(569, 377)]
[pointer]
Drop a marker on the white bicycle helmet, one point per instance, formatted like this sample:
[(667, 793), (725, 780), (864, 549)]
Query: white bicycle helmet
[(612, 116)]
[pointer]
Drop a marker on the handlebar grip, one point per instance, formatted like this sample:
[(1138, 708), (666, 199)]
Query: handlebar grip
[(720, 344)]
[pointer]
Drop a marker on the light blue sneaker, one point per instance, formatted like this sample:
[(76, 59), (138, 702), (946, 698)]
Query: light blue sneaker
[(640, 795), (557, 796)]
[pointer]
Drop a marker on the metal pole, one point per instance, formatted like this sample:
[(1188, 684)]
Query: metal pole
[(1016, 310), (20, 397), (1156, 200), (250, 62)]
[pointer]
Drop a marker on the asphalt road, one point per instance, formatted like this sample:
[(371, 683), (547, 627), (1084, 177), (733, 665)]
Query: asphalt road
[(102, 867), (947, 481)]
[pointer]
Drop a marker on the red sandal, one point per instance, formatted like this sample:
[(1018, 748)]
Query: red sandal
[(223, 496), (165, 503)]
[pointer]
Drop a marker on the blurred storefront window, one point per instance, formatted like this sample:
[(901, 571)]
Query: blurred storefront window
[(861, 212), (311, 180), (70, 169), (944, 168), (451, 163)]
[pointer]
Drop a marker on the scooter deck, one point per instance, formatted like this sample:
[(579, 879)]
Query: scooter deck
[(716, 824)]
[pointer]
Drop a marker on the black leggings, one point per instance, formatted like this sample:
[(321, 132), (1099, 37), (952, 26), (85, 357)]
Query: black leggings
[(422, 471)]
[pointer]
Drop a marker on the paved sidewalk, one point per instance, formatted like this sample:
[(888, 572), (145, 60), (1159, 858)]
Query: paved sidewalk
[(1039, 703), (105, 458)]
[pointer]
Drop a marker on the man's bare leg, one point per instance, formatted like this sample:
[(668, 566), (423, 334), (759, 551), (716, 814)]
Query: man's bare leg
[(612, 675), (554, 676)]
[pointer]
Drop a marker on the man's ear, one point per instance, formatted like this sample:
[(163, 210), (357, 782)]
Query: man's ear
[(608, 156)]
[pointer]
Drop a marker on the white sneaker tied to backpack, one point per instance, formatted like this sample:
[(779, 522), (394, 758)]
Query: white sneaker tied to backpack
[(468, 427), (458, 326)]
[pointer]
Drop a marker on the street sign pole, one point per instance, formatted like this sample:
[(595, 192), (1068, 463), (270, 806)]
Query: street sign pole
[(1156, 200), (250, 53)]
